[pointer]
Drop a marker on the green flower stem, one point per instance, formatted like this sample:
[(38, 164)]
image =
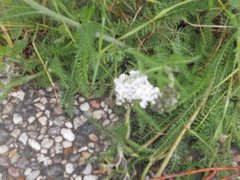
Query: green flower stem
[(127, 121)]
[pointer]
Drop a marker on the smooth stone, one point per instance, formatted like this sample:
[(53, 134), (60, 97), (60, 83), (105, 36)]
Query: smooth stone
[(31, 119), (69, 168), (23, 138), (18, 94), (33, 175), (88, 169), (4, 135), (67, 134), (86, 154), (3, 149), (84, 106), (81, 99), (47, 143), (98, 114), (47, 113), (90, 177), (14, 172), (22, 163), (17, 118), (59, 121), (34, 144), (40, 106), (43, 120), (15, 133), (106, 122), (55, 170), (58, 148), (33, 134), (39, 114), (74, 157)]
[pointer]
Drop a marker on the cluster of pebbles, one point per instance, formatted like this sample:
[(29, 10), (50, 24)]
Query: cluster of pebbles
[(38, 141)]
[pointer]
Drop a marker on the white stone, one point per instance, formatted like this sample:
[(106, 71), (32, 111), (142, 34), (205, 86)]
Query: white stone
[(85, 107), (88, 169), (69, 168), (33, 175), (69, 125), (43, 120), (58, 139), (27, 171), (18, 94), (67, 144), (90, 177), (34, 144), (40, 106), (23, 138), (47, 143), (17, 118), (67, 134), (31, 119), (3, 149), (98, 114)]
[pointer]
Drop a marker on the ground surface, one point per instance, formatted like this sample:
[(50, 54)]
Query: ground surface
[(38, 141)]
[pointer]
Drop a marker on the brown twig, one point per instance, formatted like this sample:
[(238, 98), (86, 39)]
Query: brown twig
[(213, 171)]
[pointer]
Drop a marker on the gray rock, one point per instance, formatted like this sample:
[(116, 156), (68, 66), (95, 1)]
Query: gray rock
[(55, 170), (67, 134), (59, 121), (74, 157), (3, 136), (4, 161), (54, 131), (18, 94), (57, 158), (7, 109), (22, 163), (33, 175)]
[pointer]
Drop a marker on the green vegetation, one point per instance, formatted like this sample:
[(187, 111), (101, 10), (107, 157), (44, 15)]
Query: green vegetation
[(82, 46)]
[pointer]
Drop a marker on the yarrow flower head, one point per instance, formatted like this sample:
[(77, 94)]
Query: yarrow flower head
[(135, 86)]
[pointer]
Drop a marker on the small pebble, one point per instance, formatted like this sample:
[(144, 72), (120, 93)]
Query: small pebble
[(67, 144), (23, 138), (14, 172), (18, 94), (90, 177), (40, 106), (33, 175), (47, 143), (69, 125)]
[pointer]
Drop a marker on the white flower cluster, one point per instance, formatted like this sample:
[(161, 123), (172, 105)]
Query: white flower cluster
[(135, 86)]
